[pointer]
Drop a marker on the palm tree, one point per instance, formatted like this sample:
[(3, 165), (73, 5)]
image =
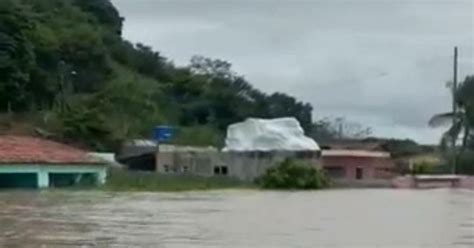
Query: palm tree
[(462, 120)]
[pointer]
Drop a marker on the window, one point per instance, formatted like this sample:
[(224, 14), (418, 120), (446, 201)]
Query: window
[(185, 168), (221, 170), (224, 170), (359, 173), (167, 168)]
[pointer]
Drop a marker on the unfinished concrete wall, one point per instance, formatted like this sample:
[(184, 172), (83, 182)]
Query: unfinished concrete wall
[(178, 162), (243, 165)]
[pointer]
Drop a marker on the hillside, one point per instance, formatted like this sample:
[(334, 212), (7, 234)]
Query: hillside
[(66, 72)]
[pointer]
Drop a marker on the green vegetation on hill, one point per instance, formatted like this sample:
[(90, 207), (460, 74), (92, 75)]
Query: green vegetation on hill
[(65, 63)]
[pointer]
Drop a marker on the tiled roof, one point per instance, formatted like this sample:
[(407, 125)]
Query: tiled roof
[(26, 150)]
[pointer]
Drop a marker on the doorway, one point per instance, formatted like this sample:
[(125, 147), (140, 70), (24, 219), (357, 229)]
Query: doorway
[(359, 173)]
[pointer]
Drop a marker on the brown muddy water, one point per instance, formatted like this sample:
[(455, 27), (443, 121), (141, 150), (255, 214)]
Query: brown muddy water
[(332, 218)]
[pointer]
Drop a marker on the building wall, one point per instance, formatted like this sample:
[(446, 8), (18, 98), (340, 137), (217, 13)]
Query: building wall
[(242, 165), (42, 171), (372, 167), (198, 163)]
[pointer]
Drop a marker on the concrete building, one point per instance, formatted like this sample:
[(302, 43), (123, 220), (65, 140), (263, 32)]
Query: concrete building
[(38, 163), (173, 159), (357, 165), (252, 146), (209, 161)]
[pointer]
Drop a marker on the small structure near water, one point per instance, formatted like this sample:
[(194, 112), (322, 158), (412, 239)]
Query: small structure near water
[(433, 181), (38, 163), (357, 164)]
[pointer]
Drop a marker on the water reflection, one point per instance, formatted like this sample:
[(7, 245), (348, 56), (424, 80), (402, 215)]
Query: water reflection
[(333, 218)]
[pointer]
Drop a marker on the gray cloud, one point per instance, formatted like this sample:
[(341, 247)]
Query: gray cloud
[(383, 63)]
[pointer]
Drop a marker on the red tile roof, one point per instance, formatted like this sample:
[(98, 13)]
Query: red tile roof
[(26, 150)]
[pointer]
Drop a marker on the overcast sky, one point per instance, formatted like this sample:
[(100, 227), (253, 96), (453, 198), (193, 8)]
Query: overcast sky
[(383, 63)]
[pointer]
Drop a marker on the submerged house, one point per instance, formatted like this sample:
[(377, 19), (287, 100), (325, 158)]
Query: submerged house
[(357, 165), (252, 146), (38, 163), (358, 161)]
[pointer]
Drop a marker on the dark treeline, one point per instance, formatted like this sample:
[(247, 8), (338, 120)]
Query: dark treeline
[(65, 63)]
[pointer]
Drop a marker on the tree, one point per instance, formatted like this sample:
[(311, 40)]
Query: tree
[(463, 120), (465, 96), (104, 11), (16, 56), (326, 129), (460, 122), (66, 61)]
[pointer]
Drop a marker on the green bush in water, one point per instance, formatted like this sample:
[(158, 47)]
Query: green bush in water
[(422, 168), (292, 174), (465, 163)]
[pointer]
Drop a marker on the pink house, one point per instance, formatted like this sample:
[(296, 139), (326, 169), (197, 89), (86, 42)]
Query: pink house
[(357, 164)]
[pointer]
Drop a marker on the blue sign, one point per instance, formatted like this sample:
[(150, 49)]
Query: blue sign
[(163, 133)]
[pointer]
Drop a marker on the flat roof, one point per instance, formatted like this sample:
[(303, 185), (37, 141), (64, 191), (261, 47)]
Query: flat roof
[(354, 153), (177, 148)]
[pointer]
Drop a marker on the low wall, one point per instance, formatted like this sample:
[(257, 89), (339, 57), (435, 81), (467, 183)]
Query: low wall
[(365, 183), (467, 182), (403, 182), (408, 182)]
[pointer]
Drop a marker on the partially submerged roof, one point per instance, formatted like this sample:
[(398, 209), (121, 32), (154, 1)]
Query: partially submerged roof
[(137, 148), (354, 153), (31, 150), (281, 134)]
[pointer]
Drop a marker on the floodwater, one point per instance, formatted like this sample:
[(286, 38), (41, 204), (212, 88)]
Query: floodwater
[(247, 218)]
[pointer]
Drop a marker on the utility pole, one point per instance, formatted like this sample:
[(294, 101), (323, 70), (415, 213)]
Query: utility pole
[(455, 109)]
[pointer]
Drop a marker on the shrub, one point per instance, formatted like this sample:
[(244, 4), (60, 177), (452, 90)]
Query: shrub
[(292, 174), (430, 169), (465, 163), (422, 168)]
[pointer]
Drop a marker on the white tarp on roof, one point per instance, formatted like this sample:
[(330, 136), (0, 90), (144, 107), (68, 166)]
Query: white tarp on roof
[(268, 135)]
